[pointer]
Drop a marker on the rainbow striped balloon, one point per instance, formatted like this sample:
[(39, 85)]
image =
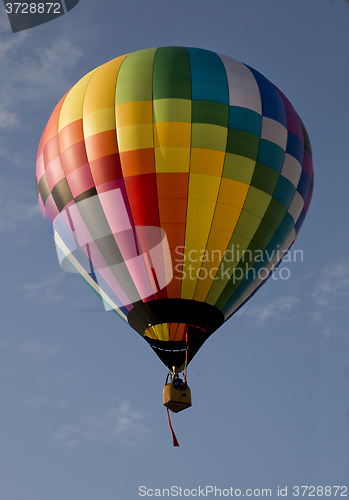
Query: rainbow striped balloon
[(174, 180)]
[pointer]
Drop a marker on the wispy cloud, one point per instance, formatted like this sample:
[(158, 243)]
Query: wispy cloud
[(49, 290), (18, 213), (279, 308), (331, 290), (116, 424)]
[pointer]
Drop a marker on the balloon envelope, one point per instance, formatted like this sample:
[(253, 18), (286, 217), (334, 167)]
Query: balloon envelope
[(174, 180)]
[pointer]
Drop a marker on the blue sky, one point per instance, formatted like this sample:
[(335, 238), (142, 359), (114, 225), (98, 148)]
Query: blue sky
[(81, 413)]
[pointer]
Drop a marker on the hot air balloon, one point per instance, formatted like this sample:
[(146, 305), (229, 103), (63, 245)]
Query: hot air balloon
[(173, 180)]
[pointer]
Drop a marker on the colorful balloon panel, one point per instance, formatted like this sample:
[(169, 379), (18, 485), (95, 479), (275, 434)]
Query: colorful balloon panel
[(174, 180)]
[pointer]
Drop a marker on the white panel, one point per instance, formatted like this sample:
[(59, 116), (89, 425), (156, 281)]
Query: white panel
[(274, 131), (296, 206), (291, 169)]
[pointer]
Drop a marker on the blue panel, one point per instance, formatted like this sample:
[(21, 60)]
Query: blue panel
[(295, 147), (49, 223), (271, 155), (300, 221), (303, 185), (272, 104)]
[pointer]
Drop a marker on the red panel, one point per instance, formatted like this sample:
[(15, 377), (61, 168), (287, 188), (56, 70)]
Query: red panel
[(74, 157), (145, 213), (106, 169), (141, 187)]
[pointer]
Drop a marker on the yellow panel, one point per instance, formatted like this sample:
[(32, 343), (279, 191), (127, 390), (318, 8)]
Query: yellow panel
[(135, 137), (226, 217), (206, 161), (172, 110), (233, 192), (172, 134), (158, 332), (150, 332), (195, 242), (134, 113), (73, 103), (203, 187), (211, 259), (165, 332), (200, 212), (172, 159), (100, 92), (99, 121)]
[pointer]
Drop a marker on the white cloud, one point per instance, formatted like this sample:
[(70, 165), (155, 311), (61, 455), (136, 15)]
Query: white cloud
[(120, 424), (279, 308), (332, 289), (48, 290)]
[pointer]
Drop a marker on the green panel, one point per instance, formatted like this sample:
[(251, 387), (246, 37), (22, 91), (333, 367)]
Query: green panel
[(174, 88), (247, 225), (245, 119), (238, 168), (224, 296), (211, 112), (172, 110), (171, 77), (209, 136), (286, 226), (284, 191), (263, 235), (275, 214), (265, 178), (135, 78), (243, 143), (257, 202)]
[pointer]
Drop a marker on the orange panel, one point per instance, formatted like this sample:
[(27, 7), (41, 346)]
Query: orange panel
[(71, 134), (137, 162), (173, 211), (100, 145), (172, 185)]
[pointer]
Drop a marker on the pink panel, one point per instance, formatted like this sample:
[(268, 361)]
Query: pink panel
[(41, 205), (115, 210), (51, 208), (54, 172), (40, 167), (80, 180)]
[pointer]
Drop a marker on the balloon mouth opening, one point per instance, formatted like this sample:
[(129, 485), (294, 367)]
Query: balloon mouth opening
[(165, 323)]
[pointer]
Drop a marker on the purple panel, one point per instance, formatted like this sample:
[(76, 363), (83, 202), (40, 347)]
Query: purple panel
[(307, 164), (293, 124)]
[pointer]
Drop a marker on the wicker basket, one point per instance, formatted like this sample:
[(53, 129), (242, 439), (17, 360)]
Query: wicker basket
[(176, 399)]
